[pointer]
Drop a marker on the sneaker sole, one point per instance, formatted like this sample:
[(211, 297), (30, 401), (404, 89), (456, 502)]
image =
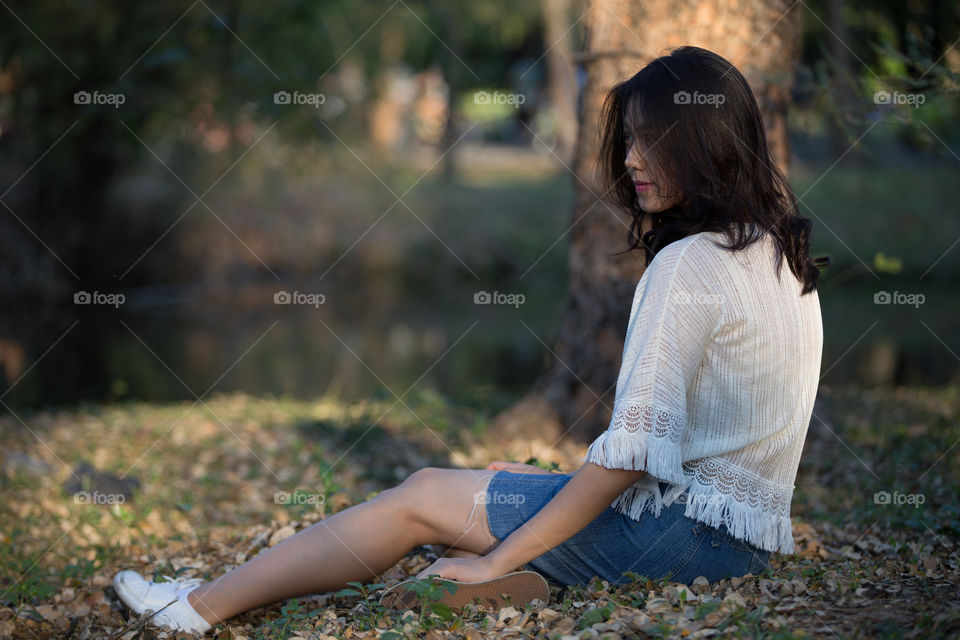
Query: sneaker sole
[(518, 587)]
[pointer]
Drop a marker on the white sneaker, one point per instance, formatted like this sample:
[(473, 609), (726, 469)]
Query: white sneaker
[(144, 596)]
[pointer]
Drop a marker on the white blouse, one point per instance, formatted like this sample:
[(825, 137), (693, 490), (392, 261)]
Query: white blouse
[(720, 369)]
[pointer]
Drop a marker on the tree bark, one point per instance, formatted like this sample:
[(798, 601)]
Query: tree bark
[(573, 397), (844, 99), (561, 74)]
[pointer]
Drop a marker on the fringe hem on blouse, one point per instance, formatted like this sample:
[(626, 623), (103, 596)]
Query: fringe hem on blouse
[(662, 460)]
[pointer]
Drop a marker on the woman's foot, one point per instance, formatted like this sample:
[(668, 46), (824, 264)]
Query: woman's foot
[(516, 587), (143, 596)]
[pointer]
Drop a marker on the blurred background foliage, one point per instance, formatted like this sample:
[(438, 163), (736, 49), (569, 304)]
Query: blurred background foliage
[(399, 194)]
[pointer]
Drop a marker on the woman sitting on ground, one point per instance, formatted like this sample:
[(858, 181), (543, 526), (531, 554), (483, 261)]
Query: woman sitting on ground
[(694, 474)]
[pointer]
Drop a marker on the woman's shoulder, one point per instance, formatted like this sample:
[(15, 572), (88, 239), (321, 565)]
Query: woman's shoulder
[(700, 252), (711, 250), (702, 263)]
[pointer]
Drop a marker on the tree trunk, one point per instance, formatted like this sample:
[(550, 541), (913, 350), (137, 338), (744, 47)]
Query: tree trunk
[(844, 99), (573, 397), (561, 74)]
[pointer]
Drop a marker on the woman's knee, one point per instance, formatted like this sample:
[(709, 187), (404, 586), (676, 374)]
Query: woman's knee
[(412, 490), (421, 480), (450, 505)]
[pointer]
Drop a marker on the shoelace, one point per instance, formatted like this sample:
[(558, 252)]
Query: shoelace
[(181, 582), (184, 582)]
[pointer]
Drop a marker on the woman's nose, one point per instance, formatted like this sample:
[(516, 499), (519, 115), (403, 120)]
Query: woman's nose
[(633, 158)]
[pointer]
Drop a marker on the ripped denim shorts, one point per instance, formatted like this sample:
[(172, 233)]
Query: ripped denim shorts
[(669, 545)]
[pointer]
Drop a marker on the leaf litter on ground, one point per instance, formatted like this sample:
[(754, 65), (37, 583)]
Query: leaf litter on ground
[(217, 485)]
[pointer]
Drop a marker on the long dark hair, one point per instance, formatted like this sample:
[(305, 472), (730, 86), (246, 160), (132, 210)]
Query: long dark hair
[(698, 119)]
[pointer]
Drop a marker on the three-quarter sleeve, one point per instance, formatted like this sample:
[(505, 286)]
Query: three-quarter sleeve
[(676, 309)]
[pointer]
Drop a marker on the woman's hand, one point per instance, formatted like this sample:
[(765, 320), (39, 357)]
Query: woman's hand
[(463, 569), (516, 467)]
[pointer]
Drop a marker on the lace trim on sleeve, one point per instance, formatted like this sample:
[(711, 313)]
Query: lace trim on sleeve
[(716, 491), (652, 419), (641, 436)]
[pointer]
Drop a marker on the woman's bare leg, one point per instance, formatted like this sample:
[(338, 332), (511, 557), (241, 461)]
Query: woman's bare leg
[(443, 551), (432, 506)]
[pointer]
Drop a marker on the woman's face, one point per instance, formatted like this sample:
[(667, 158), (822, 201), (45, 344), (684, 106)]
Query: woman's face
[(650, 186)]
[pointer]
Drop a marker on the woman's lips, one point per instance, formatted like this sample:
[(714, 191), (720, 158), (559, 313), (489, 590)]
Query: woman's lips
[(642, 186)]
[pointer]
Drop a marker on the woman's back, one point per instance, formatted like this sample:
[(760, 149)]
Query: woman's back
[(719, 374)]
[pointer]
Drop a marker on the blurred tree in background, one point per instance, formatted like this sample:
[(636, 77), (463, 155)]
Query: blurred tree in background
[(237, 143), (197, 83), (575, 393), (198, 79)]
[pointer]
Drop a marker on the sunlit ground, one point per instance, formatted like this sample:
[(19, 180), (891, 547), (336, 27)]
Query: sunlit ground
[(209, 477)]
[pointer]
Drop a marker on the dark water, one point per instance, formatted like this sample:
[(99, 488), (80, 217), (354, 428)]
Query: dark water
[(180, 344), (892, 331), (388, 338)]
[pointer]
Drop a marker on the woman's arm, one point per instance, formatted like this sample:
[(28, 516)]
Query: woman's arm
[(591, 490)]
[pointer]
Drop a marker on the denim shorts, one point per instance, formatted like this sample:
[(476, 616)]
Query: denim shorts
[(670, 545)]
